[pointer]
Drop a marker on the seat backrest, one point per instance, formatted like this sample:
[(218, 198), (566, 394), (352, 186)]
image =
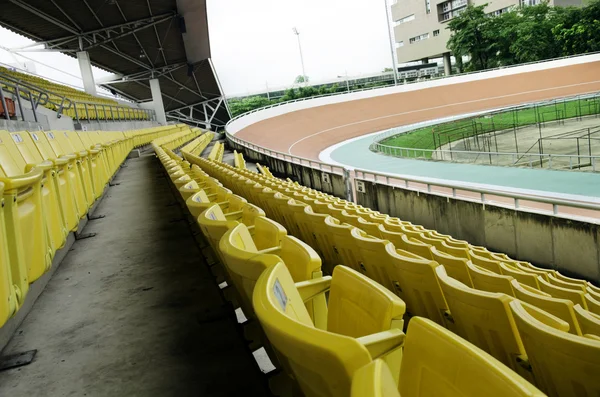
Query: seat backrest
[(563, 364), (54, 140), (26, 147), (575, 296), (484, 319), (559, 282), (485, 280), (359, 306), (8, 301), (561, 308), (11, 161), (592, 303), (370, 227), (347, 253), (415, 282), (437, 362), (455, 267), (486, 263), (374, 380), (323, 363), (373, 256), (522, 277), (588, 321), (42, 144)]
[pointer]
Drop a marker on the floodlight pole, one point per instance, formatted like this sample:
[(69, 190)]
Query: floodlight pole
[(301, 57), (392, 52)]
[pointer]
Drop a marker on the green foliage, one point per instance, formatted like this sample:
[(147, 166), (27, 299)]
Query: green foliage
[(525, 34), (301, 79)]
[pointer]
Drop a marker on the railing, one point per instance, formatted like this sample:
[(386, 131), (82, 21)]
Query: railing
[(40, 96), (483, 129), (528, 160), (587, 211)]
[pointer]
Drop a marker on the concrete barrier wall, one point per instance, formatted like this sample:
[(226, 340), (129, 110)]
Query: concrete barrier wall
[(570, 246)]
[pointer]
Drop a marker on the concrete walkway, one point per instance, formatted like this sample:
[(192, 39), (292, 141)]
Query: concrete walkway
[(356, 154), (133, 311)]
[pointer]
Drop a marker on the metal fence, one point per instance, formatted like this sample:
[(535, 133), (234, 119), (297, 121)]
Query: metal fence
[(475, 138)]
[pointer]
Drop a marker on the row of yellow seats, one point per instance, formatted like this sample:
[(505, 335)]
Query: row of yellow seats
[(413, 278), (323, 344), (49, 182), (197, 146), (179, 139), (217, 152), (238, 160), (264, 170), (120, 113)]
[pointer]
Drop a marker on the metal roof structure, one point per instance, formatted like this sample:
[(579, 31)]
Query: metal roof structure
[(136, 40)]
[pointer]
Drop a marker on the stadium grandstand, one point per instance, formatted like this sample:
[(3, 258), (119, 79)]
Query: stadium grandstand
[(143, 252)]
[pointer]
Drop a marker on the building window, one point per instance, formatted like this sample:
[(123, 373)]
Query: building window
[(428, 6), (405, 19), (436, 33), (420, 37), (451, 8)]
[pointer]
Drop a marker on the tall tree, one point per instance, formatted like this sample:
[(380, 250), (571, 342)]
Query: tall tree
[(470, 37)]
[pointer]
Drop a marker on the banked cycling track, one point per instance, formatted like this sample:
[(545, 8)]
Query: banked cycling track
[(307, 128)]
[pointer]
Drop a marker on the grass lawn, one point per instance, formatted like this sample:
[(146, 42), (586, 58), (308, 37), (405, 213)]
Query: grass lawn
[(434, 136)]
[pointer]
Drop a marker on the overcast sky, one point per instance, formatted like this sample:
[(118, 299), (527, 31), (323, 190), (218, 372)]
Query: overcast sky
[(253, 45)]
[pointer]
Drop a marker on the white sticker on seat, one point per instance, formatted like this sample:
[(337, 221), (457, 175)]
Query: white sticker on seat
[(280, 294)]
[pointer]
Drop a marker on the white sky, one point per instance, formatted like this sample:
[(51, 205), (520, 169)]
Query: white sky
[(253, 45)]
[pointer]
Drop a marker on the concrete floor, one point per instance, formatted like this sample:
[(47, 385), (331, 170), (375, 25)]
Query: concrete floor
[(133, 311)]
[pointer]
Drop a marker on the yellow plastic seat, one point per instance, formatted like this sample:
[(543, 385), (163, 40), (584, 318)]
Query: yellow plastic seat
[(522, 277), (374, 380), (25, 156), (485, 280), (347, 253), (25, 220), (245, 261), (439, 363), (575, 296), (322, 362), (315, 223), (70, 180), (403, 242), (60, 143), (571, 280), (592, 303), (559, 282), (484, 262), (8, 299), (588, 321), (416, 283), (561, 308), (373, 257), (485, 319), (563, 364), (456, 267)]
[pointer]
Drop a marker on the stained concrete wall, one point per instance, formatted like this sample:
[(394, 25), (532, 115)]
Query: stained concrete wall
[(570, 246)]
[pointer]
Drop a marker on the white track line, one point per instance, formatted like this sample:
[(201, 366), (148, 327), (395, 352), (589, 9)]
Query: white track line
[(439, 107)]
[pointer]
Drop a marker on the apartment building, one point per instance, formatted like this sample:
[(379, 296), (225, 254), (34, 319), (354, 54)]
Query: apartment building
[(420, 26)]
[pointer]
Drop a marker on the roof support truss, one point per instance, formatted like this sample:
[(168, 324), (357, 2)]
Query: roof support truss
[(98, 37)]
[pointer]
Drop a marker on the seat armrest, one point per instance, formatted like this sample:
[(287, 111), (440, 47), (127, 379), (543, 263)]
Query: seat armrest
[(311, 288), (382, 343), (20, 181)]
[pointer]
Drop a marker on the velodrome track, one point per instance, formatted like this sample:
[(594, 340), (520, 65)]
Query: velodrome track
[(308, 131)]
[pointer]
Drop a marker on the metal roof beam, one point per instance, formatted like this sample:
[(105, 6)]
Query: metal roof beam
[(45, 16), (120, 31)]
